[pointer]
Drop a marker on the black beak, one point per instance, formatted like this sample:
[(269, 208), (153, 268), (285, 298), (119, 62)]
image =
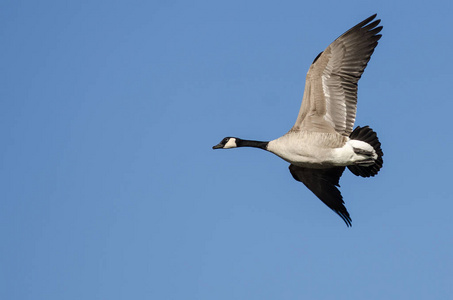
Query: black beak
[(218, 146)]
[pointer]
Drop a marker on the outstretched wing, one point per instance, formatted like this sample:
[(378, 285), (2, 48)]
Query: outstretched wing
[(330, 98), (323, 183)]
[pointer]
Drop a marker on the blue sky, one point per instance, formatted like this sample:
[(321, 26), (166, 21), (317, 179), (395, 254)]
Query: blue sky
[(110, 188)]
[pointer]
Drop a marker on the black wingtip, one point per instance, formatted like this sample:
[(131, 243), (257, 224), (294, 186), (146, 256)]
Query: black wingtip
[(370, 18), (368, 25), (345, 216), (366, 22)]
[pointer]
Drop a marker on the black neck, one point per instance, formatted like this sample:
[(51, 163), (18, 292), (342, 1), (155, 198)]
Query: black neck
[(254, 144)]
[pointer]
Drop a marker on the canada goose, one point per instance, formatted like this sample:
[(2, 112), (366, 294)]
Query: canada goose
[(322, 143)]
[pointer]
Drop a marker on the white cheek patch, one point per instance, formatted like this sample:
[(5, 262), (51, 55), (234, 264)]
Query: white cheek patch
[(230, 144)]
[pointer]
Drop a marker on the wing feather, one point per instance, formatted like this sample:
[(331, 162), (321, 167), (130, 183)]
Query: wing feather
[(323, 183), (329, 103)]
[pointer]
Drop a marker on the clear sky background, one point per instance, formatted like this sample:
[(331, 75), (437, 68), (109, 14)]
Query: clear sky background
[(110, 188)]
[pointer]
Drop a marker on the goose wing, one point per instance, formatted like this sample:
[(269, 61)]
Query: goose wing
[(330, 97), (323, 183)]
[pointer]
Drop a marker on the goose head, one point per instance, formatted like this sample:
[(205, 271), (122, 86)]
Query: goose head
[(226, 143)]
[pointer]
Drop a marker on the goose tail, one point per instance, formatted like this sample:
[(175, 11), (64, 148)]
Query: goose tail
[(366, 134)]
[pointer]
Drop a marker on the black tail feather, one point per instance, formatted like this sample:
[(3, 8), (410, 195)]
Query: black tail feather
[(366, 134)]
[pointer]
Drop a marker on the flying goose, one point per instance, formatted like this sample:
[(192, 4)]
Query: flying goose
[(322, 142)]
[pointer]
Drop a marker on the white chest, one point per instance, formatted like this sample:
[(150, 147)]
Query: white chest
[(298, 151)]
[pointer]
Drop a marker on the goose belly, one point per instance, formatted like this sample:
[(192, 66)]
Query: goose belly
[(313, 158), (313, 155)]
